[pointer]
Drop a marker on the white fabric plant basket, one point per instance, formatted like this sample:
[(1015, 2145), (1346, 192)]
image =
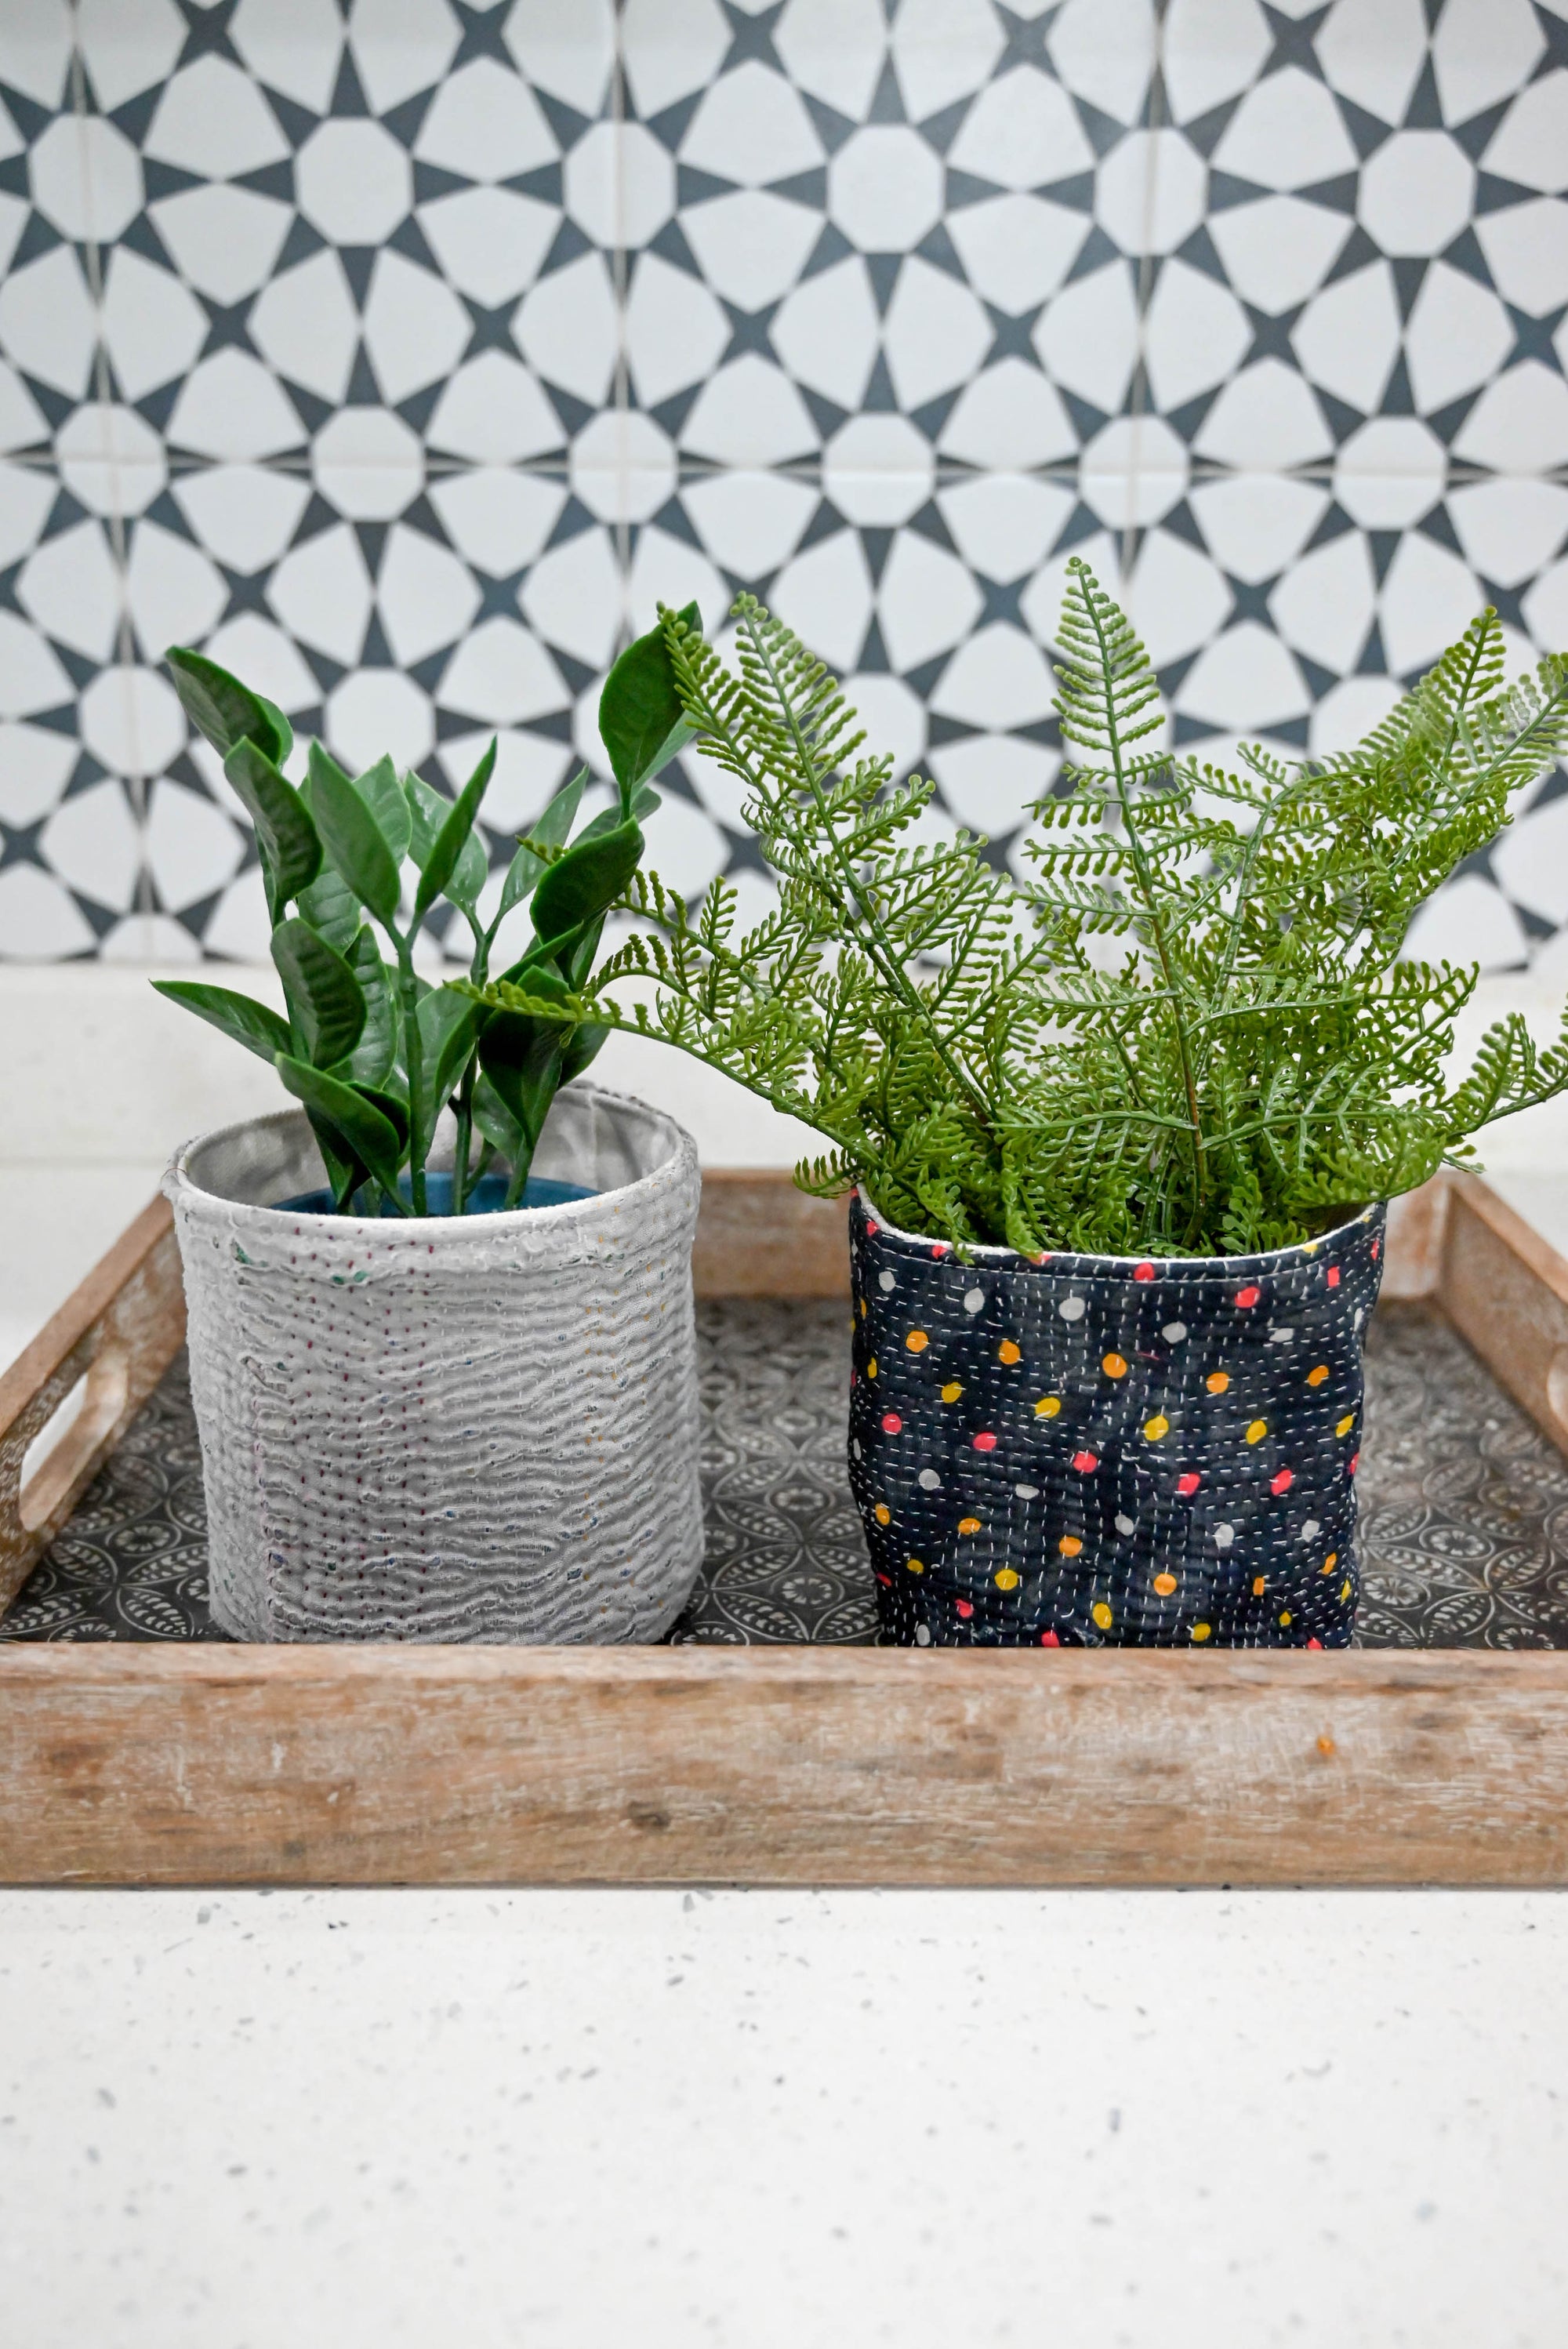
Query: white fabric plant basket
[(471, 1428)]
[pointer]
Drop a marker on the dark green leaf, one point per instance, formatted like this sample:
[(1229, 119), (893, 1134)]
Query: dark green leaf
[(285, 836), (250, 1023), (354, 839), (644, 800), (521, 1056), (496, 1122), (280, 727), (325, 999), (454, 839), (582, 1048), (381, 789), (224, 709), (429, 812), (375, 1055), (587, 880), (330, 906), (447, 1022), (641, 719), (522, 876), (367, 1133), (554, 828)]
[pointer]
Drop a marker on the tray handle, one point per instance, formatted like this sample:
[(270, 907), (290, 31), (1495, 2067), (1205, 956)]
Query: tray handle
[(118, 1333)]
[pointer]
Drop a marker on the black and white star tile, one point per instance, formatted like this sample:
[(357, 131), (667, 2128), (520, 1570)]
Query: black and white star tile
[(404, 351)]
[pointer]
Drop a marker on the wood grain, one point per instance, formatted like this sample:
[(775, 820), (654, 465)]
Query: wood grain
[(789, 1767), (757, 1235), (1505, 1289), (119, 1329)]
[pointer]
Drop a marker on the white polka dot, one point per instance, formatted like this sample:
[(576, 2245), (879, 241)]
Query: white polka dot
[(1281, 1337), (885, 1281), (922, 1635), (1124, 1525), (1360, 1315), (1311, 1530), (1072, 1309), (1223, 1536), (855, 1448), (1027, 1492), (1173, 1332), (930, 1482), (974, 1300)]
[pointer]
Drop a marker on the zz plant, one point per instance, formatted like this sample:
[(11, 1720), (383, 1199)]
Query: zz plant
[(353, 866), (1191, 1029)]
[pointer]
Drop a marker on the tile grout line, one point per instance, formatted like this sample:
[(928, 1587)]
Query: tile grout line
[(618, 280), (134, 784)]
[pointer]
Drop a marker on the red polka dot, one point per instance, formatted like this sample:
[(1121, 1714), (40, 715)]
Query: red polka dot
[(1189, 1481), (1086, 1463), (1143, 1272), (1314, 1643), (1284, 1481), (886, 1581), (1248, 1296), (941, 1248), (1333, 1276), (984, 1444), (1049, 1640), (964, 1608), (1353, 1464), (1376, 1246), (891, 1423), (872, 1229)]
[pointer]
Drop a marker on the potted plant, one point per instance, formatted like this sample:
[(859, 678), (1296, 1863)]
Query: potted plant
[(442, 1346), (1120, 1133)]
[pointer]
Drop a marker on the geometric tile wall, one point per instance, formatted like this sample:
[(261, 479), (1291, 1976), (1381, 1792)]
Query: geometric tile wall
[(404, 352)]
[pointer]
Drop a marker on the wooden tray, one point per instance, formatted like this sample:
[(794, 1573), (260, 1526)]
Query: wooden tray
[(391, 1764)]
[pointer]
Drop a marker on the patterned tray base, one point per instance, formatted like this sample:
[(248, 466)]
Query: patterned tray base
[(1464, 1527)]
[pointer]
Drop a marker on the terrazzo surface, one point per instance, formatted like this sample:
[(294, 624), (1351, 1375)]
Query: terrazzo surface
[(1464, 1529)]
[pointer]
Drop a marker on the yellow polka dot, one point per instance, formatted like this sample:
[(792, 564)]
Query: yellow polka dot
[(1165, 1584), (1257, 1431), (1284, 1616), (1007, 1580), (1344, 1592), (1333, 1561), (1101, 1614), (1258, 1586), (883, 1514), (1217, 1382), (1315, 1378), (1114, 1366), (952, 1391), (1008, 1352), (1156, 1427), (863, 1308), (968, 1525), (1048, 1407), (871, 1368), (1346, 1424), (915, 1565), (1070, 1545), (1202, 1630), (917, 1342)]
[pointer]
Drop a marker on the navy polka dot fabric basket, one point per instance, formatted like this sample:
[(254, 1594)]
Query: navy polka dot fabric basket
[(1091, 1451)]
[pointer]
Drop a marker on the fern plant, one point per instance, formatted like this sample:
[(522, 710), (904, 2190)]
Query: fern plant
[(1190, 1028)]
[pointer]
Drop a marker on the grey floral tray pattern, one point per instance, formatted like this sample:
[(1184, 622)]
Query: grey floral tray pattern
[(1464, 1538)]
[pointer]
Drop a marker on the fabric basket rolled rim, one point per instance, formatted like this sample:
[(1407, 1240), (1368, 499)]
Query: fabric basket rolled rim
[(1189, 1269), (178, 1179)]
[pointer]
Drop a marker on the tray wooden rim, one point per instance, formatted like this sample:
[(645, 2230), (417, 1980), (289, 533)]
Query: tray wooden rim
[(140, 1763)]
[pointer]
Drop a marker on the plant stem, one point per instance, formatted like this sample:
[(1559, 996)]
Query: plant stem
[(408, 994), (1156, 927), (465, 1136)]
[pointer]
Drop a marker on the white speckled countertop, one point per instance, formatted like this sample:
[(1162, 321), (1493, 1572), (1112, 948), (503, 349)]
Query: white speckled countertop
[(783, 2120)]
